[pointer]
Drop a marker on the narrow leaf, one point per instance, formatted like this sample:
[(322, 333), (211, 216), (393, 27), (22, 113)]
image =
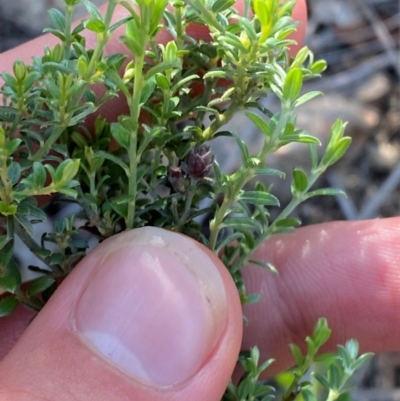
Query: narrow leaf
[(39, 285), (306, 97), (300, 181), (297, 354), (292, 85), (8, 283), (242, 224), (326, 191), (57, 18), (269, 171), (288, 222), (259, 198), (114, 159), (265, 265), (161, 67), (8, 305), (227, 241), (221, 5), (259, 122)]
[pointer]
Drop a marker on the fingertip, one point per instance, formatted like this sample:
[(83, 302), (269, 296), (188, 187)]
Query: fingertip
[(149, 314)]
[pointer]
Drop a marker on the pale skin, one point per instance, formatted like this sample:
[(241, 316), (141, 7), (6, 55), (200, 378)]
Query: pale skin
[(348, 272)]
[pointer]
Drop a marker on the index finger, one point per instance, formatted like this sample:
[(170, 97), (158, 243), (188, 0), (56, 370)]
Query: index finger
[(347, 272)]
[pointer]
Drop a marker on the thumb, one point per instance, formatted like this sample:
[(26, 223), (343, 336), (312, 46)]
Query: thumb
[(148, 315)]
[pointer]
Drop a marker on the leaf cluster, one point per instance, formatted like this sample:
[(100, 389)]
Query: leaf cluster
[(339, 367)]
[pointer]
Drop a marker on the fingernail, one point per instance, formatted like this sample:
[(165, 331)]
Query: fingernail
[(155, 307)]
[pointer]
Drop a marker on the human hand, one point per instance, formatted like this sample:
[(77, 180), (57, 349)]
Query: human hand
[(94, 326), (176, 308)]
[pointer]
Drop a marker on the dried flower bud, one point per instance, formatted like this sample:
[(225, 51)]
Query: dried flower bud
[(177, 179), (198, 162)]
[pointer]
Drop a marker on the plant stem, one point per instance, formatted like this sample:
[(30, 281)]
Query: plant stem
[(221, 120), (215, 224), (134, 106), (6, 191), (188, 204), (102, 38), (33, 246), (285, 213), (68, 23)]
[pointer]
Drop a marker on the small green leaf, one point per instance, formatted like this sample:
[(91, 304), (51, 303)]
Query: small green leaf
[(6, 209), (334, 377), (242, 224), (333, 154), (263, 12), (301, 57), (222, 5), (259, 122), (161, 67), (322, 380), (133, 45), (147, 90), (39, 285), (244, 151), (72, 2), (14, 172), (288, 222), (259, 198), (10, 81), (92, 9), (362, 360), (352, 348), (321, 333), (38, 175), (119, 23), (121, 135), (318, 67), (292, 85), (250, 299), (264, 265), (300, 181), (114, 159), (227, 241), (162, 82), (12, 146), (336, 132), (269, 171), (19, 69), (66, 171), (215, 74), (326, 191), (25, 223), (170, 54), (301, 137), (297, 354), (57, 18), (306, 97), (234, 41), (346, 358), (8, 283), (183, 82), (95, 25), (248, 27), (8, 305), (307, 394)]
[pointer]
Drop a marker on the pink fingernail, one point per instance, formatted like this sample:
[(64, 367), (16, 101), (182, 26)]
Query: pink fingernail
[(155, 307)]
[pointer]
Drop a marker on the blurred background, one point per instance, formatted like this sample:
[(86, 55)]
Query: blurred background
[(360, 39)]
